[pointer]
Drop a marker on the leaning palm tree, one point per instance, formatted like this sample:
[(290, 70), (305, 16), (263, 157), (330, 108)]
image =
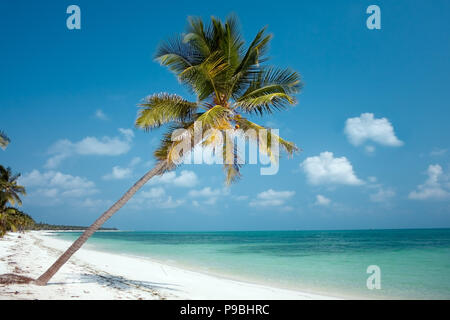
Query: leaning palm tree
[(4, 140), (229, 82)]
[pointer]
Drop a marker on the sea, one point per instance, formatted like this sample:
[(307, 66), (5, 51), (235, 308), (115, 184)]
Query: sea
[(353, 264)]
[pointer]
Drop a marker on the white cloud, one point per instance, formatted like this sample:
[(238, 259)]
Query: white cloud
[(55, 179), (154, 198), (436, 187), (366, 127), (153, 193), (205, 192), (211, 195), (211, 201), (326, 169), (169, 203), (438, 152), (107, 146), (370, 149), (185, 179), (271, 198), (94, 203), (99, 114), (52, 187), (383, 195), (322, 200), (128, 133), (118, 173), (135, 161)]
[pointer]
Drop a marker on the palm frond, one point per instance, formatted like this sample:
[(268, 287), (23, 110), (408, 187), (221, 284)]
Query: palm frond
[(202, 78), (272, 89), (162, 108), (255, 52), (198, 37), (171, 139), (178, 55), (266, 147), (217, 117)]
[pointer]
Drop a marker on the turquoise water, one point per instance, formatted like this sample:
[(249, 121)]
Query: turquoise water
[(415, 264)]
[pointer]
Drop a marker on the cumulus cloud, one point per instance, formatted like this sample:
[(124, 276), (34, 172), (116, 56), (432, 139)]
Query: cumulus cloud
[(186, 178), (209, 195), (52, 187), (99, 114), (322, 200), (118, 173), (382, 195), (436, 187), (154, 198), (326, 169), (106, 146), (128, 133), (135, 161), (367, 128), (153, 193), (205, 192), (170, 203), (272, 198), (93, 203)]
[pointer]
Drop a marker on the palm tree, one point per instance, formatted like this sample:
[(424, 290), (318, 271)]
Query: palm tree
[(4, 140), (229, 82), (10, 190), (11, 219)]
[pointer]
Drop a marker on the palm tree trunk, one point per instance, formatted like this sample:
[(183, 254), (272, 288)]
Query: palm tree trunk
[(160, 168)]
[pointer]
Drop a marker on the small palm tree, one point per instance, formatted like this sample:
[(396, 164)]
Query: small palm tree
[(11, 219), (6, 222), (229, 82), (10, 190), (4, 140)]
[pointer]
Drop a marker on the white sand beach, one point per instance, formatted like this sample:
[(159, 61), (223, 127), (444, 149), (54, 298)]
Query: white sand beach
[(98, 275)]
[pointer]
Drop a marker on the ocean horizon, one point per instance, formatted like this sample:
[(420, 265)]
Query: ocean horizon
[(414, 263)]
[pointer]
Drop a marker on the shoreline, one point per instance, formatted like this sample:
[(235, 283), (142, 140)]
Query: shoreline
[(94, 274)]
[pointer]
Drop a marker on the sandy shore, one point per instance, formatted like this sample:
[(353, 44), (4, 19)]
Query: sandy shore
[(98, 275)]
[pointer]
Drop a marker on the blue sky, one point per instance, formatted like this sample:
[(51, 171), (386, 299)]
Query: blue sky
[(372, 119)]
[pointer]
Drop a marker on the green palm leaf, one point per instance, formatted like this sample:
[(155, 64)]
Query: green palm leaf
[(289, 147), (162, 108), (272, 89), (216, 117)]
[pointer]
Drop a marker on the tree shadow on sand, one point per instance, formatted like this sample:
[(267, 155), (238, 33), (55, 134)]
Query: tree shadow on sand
[(120, 283), (10, 278)]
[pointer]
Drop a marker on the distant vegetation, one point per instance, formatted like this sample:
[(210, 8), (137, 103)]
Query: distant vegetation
[(45, 226)]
